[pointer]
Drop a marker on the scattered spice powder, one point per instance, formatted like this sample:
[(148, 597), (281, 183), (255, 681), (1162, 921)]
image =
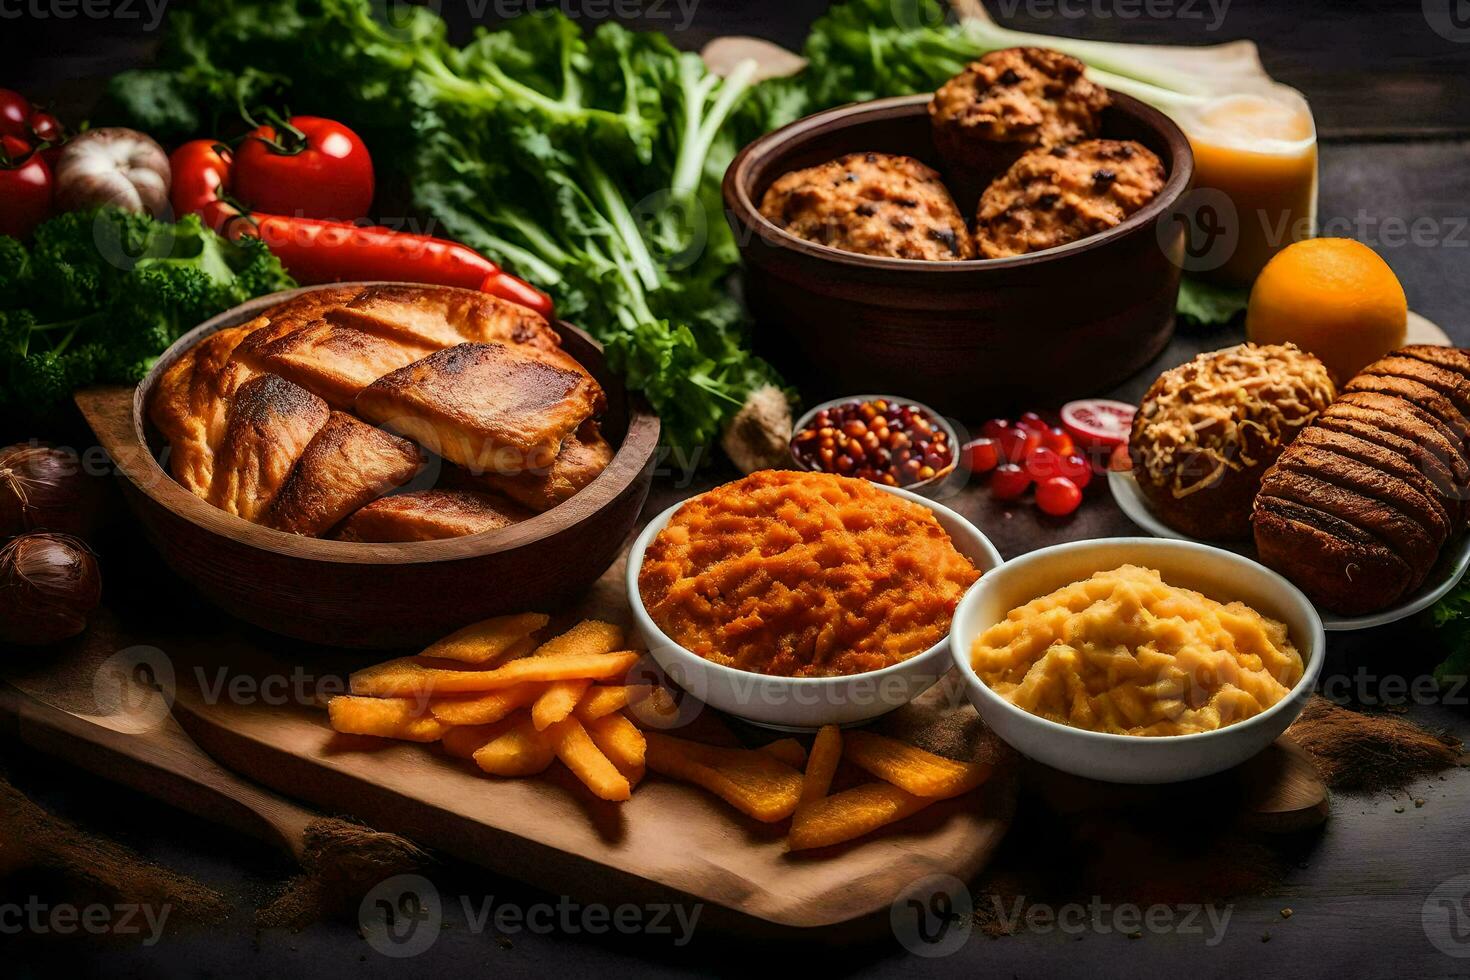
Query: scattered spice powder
[(342, 862), (87, 869), (1370, 753)]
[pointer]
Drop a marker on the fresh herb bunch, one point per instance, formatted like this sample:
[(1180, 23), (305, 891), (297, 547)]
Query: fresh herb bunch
[(587, 164), (100, 294)]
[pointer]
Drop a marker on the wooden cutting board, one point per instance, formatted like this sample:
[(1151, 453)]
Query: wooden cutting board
[(246, 762)]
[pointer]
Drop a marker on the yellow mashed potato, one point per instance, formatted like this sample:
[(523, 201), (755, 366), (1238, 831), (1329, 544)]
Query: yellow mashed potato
[(1127, 653)]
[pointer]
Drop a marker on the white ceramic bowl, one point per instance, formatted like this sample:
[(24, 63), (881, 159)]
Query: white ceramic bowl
[(803, 704), (1219, 574)]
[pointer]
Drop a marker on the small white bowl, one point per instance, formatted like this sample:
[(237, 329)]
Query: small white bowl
[(928, 488), (1219, 574), (804, 704)]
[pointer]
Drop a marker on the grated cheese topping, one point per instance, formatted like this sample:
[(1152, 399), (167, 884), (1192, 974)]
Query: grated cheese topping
[(1200, 413)]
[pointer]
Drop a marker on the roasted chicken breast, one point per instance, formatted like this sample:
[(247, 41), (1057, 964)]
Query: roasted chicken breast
[(429, 515), (491, 408), (348, 464)]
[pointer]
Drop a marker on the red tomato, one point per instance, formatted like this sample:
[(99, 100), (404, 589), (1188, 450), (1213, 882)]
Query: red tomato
[(1042, 464), (46, 128), (15, 114), (1057, 439), (982, 455), (1058, 496), (201, 171), (1077, 469), (1032, 421), (1098, 423), (308, 168), (25, 188), (1009, 481)]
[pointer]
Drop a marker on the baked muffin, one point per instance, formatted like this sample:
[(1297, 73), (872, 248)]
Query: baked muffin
[(1008, 103), (1053, 196), (1357, 511), (874, 204), (1208, 430)]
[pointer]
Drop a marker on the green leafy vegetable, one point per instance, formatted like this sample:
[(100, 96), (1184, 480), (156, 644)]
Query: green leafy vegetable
[(588, 164), (1210, 305), (100, 294), (1451, 618)]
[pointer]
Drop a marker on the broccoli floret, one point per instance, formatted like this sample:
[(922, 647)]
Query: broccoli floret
[(102, 293)]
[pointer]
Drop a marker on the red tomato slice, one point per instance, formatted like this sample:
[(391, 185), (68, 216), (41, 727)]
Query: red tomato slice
[(1098, 422)]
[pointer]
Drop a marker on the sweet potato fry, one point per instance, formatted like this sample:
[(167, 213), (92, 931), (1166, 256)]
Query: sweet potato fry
[(852, 813), (485, 709), (604, 699), (755, 783), (401, 718), (821, 766), (520, 750), (622, 742), (406, 677), (788, 750), (463, 742), (589, 636), (912, 769), (557, 701), (575, 748), (489, 641)]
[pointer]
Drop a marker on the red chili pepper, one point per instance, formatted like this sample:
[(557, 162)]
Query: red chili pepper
[(317, 251)]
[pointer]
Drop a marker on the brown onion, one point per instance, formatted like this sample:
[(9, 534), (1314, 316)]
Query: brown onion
[(49, 584), (44, 488)]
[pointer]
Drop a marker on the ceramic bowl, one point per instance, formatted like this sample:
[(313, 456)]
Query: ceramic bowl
[(1219, 574), (801, 704), (968, 338)]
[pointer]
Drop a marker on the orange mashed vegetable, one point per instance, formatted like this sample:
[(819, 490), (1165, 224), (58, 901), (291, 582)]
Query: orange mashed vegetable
[(803, 575)]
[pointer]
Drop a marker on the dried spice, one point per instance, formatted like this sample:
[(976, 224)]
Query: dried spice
[(341, 863), (1359, 752)]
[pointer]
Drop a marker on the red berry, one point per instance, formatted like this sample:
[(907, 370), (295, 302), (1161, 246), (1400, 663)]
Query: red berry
[(1077, 469), (1009, 481), (1032, 421), (982, 454), (994, 428), (1017, 443), (1058, 496), (1057, 439), (1042, 464)]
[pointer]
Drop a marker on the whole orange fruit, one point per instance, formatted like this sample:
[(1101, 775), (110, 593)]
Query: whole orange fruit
[(1334, 297)]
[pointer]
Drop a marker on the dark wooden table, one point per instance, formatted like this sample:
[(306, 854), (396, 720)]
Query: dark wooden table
[(1392, 97)]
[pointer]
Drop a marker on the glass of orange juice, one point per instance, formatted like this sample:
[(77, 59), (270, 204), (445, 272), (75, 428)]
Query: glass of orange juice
[(1260, 150)]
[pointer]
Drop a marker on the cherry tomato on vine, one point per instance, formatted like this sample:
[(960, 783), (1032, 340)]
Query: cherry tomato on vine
[(306, 167), (25, 187), (201, 173)]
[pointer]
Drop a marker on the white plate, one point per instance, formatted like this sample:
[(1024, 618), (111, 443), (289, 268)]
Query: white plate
[(1452, 562)]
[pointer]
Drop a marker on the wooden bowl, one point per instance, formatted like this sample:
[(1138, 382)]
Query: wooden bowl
[(969, 338), (378, 595)]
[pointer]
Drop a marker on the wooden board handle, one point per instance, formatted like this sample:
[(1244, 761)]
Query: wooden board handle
[(185, 779)]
